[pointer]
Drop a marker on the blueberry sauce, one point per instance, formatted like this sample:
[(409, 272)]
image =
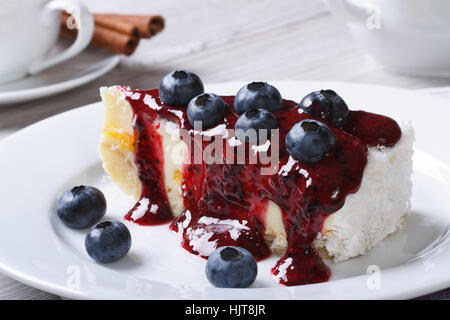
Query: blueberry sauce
[(224, 204)]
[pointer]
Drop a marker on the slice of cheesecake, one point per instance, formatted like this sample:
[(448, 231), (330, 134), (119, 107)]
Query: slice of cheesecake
[(357, 196)]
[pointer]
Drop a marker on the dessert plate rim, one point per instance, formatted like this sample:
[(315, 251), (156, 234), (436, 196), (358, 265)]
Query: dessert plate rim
[(45, 264)]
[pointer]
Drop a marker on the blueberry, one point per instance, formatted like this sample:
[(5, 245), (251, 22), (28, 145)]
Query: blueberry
[(309, 140), (255, 119), (326, 104), (81, 207), (257, 95), (208, 108), (178, 88), (108, 241), (231, 267)]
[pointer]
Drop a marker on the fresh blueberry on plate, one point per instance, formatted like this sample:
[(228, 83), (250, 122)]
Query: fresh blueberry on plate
[(108, 241), (208, 108), (250, 125), (309, 141), (81, 207), (257, 95), (326, 104), (178, 88), (231, 267)]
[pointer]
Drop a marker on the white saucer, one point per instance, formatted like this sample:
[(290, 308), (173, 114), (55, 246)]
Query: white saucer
[(89, 65), (41, 161)]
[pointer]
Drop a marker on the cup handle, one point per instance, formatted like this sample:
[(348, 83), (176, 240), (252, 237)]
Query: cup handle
[(357, 10), (350, 9), (85, 23)]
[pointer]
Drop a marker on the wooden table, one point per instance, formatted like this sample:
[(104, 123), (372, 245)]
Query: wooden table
[(221, 41)]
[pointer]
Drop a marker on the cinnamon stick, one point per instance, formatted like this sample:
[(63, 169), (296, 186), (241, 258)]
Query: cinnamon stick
[(114, 41), (119, 33), (148, 26), (118, 25), (106, 38)]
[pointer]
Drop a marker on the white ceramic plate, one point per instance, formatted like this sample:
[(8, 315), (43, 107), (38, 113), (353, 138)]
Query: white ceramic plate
[(87, 66), (39, 162)]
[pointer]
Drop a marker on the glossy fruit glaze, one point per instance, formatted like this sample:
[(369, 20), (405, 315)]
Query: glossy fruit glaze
[(225, 203)]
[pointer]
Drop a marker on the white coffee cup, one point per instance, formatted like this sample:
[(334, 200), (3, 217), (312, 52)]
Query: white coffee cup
[(407, 36), (30, 28)]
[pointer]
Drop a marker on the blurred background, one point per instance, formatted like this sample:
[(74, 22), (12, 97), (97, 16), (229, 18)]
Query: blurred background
[(226, 41), (251, 39), (223, 41)]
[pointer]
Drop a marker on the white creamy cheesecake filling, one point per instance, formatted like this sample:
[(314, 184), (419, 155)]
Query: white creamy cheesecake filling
[(367, 217)]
